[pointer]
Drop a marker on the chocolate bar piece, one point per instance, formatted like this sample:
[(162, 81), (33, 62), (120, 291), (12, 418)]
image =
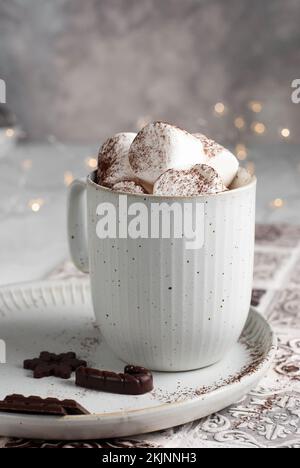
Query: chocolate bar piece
[(72, 408), (136, 370), (40, 406), (57, 365), (134, 381)]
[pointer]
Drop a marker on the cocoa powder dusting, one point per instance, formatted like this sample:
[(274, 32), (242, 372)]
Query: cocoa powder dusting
[(181, 394), (201, 179), (113, 163), (211, 147)]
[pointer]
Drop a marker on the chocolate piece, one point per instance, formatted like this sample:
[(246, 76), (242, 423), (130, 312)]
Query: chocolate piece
[(57, 365), (38, 405), (71, 407), (136, 370), (134, 381)]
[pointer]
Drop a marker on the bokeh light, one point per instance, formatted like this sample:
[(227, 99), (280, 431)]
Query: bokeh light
[(258, 127)]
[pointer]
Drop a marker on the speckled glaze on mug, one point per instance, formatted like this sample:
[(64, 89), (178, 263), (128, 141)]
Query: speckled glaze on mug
[(158, 304)]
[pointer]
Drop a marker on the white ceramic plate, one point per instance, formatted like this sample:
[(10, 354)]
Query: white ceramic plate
[(57, 316)]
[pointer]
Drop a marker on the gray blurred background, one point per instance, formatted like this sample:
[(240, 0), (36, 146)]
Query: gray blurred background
[(82, 70)]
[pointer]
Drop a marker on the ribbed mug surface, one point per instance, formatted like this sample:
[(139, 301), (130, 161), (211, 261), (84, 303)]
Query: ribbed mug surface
[(163, 306)]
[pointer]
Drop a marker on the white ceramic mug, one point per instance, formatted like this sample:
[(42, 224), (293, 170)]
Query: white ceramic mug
[(158, 303)]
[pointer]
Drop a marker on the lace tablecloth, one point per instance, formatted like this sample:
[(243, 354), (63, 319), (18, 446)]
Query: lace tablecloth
[(269, 416)]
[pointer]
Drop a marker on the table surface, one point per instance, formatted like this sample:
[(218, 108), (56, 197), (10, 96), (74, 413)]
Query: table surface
[(33, 244)]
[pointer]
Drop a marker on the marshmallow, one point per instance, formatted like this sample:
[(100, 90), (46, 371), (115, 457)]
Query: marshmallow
[(220, 158), (242, 178), (160, 146), (113, 163), (199, 180), (129, 186)]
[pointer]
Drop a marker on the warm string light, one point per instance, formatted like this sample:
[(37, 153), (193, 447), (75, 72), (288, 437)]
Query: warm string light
[(241, 151), (92, 162), (220, 108), (10, 132), (68, 178), (239, 122), (36, 204), (285, 132), (255, 106), (258, 127), (277, 203)]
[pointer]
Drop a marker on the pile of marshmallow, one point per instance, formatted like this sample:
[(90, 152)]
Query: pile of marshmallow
[(165, 160)]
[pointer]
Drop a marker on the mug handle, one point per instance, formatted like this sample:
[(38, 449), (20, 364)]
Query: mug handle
[(77, 229)]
